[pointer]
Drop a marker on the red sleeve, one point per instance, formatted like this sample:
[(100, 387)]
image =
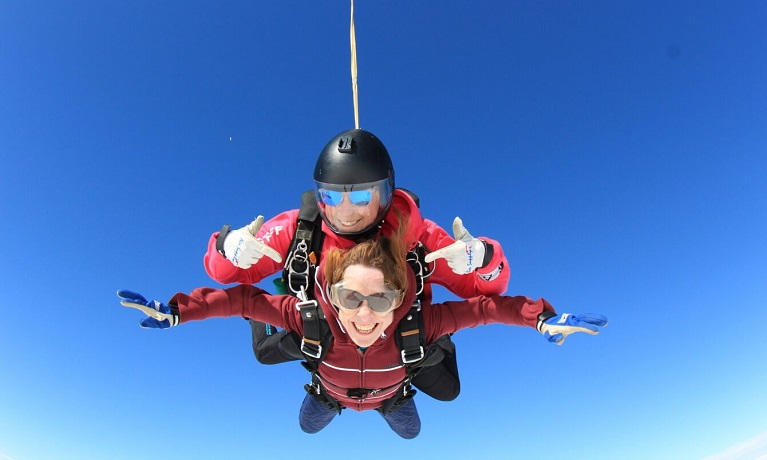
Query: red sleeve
[(276, 232), (449, 317), (242, 300), (491, 280)]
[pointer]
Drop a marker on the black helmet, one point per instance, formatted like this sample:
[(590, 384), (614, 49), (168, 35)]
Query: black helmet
[(354, 161)]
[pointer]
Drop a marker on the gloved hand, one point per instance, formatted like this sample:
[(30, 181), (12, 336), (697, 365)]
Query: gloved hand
[(555, 328), (465, 255), (161, 316), (243, 249)]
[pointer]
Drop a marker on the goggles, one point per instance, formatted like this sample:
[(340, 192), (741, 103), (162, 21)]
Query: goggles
[(335, 197), (357, 194), (349, 299)]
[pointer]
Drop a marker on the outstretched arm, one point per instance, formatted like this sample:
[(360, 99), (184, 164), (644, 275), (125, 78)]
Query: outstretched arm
[(202, 303), (518, 310)]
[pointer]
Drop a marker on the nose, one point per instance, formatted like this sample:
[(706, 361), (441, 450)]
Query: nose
[(346, 205), (364, 310)]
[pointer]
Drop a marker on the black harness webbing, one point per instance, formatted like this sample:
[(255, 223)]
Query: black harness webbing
[(315, 329), (298, 272), (409, 333)]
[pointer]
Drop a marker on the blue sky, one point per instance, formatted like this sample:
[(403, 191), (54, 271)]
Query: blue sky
[(615, 149)]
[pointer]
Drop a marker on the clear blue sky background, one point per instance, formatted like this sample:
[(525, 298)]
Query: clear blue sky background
[(615, 149)]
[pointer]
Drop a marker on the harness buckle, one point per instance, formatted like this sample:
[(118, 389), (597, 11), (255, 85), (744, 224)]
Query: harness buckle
[(417, 266), (360, 394), (305, 304), (311, 348), (420, 355), (298, 268)]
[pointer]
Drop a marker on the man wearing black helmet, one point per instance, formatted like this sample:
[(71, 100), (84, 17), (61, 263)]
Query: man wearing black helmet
[(357, 200)]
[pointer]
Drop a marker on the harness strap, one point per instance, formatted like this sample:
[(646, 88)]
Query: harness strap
[(410, 331), (298, 273), (311, 343), (410, 335), (298, 276)]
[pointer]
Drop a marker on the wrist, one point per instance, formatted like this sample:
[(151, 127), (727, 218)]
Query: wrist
[(542, 317), (176, 314), (488, 254), (220, 239), (490, 276)]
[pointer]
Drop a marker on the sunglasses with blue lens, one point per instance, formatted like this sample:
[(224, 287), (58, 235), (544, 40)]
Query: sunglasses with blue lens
[(357, 197)]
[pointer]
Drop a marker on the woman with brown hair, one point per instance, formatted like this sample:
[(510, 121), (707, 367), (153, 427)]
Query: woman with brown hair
[(360, 292)]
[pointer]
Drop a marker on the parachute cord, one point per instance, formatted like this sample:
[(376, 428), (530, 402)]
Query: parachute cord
[(353, 41)]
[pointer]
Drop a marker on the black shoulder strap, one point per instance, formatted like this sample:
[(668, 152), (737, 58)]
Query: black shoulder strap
[(316, 331), (410, 332), (305, 249), (298, 276), (410, 336)]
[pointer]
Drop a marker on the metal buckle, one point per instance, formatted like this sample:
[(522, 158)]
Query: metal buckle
[(300, 306), (360, 394), (408, 361), (301, 257), (413, 260), (305, 349)]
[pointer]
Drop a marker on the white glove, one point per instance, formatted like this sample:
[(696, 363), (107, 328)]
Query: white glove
[(243, 249), (465, 255)]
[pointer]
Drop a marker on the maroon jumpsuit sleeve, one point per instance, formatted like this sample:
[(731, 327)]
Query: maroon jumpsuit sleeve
[(243, 300)]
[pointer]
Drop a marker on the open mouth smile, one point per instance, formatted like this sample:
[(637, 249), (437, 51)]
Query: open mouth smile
[(366, 329), (350, 223)]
